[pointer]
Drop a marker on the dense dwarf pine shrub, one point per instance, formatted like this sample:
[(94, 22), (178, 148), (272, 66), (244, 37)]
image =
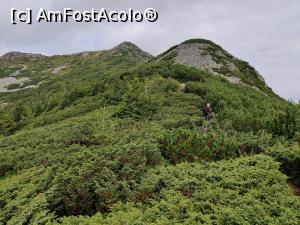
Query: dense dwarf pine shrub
[(101, 180), (289, 157), (286, 124), (137, 103), (249, 190), (182, 145)]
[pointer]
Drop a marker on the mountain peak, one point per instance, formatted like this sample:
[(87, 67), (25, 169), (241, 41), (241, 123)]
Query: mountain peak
[(126, 44), (131, 49), (201, 41), (199, 53), (206, 55)]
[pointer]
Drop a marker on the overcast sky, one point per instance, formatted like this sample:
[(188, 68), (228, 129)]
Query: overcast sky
[(265, 33)]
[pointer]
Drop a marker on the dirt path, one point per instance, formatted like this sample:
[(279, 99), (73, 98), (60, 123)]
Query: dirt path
[(295, 188)]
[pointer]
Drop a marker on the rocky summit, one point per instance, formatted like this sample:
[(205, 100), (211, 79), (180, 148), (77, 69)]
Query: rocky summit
[(206, 55)]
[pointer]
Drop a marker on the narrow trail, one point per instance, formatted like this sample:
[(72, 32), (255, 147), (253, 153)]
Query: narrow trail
[(295, 188)]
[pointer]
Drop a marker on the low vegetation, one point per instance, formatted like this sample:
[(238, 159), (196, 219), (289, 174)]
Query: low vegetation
[(114, 140)]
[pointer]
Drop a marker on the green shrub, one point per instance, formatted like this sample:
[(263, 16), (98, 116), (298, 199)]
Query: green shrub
[(79, 93), (184, 121), (182, 145), (185, 73), (137, 103), (170, 56), (14, 86), (200, 40), (139, 108), (286, 124), (289, 157), (249, 190), (102, 178)]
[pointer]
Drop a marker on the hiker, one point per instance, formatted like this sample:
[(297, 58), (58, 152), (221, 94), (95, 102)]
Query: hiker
[(207, 112)]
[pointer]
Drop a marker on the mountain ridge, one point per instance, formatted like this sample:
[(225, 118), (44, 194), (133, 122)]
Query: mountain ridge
[(16, 54), (199, 53)]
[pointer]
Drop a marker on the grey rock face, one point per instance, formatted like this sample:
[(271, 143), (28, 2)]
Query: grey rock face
[(12, 79), (4, 82), (58, 69), (233, 79), (202, 56), (195, 55)]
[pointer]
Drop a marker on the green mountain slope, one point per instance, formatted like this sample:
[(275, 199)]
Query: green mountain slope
[(109, 138), (61, 80)]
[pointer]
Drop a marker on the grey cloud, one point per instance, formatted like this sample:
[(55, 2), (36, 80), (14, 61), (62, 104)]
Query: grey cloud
[(265, 33)]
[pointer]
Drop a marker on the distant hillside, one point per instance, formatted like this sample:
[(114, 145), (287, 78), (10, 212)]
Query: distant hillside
[(10, 56), (23, 70)]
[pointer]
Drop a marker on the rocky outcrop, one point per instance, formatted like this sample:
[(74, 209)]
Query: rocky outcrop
[(58, 69), (206, 56), (195, 55)]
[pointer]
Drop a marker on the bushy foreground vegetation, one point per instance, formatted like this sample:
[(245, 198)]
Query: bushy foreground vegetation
[(110, 140), (249, 190)]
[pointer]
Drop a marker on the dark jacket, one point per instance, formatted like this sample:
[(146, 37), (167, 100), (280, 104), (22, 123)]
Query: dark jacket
[(207, 110)]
